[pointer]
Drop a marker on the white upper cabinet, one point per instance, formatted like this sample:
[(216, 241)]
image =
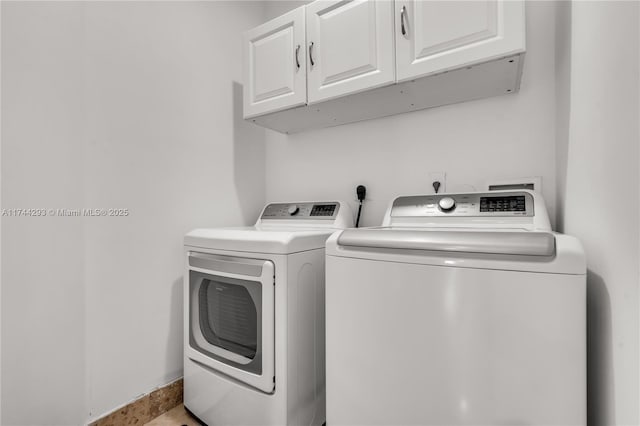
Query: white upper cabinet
[(333, 62), (275, 65), (350, 47), (436, 36)]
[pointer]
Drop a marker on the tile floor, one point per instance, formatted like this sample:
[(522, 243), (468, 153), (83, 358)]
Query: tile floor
[(177, 416)]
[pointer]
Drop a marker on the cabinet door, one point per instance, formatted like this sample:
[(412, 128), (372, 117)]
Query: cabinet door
[(350, 47), (435, 36), (275, 65)]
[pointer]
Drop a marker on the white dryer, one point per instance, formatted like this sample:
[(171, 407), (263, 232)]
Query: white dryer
[(462, 309), (254, 317)]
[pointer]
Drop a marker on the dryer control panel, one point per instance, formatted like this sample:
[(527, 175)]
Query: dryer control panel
[(301, 211)]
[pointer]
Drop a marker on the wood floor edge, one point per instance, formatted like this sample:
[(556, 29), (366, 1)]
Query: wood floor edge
[(145, 408)]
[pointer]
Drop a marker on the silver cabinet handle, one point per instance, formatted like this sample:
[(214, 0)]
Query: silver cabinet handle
[(311, 54), (297, 56), (403, 12)]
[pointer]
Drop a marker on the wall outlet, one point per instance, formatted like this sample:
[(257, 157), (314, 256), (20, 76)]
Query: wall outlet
[(438, 177)]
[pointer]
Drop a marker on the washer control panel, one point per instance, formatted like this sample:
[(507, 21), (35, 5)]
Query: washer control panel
[(301, 211), (486, 204)]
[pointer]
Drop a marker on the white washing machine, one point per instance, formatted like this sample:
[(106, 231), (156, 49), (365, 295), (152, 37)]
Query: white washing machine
[(254, 317), (462, 309)]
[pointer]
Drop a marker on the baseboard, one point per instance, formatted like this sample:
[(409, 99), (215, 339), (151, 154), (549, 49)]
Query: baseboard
[(145, 408)]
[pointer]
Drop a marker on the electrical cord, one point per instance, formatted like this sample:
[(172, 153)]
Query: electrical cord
[(361, 192), (358, 218)]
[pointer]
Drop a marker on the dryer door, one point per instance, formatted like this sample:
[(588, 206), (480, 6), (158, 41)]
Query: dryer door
[(231, 317)]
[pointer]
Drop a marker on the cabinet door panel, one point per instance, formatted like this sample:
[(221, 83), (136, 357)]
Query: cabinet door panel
[(352, 47), (273, 80), (444, 35)]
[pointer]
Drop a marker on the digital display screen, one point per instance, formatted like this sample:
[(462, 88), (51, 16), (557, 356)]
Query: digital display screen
[(323, 210), (503, 204)]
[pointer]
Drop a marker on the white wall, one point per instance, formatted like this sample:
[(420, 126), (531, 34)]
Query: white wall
[(168, 141), (274, 8), (504, 137), (598, 152), (113, 105), (43, 315), (0, 228)]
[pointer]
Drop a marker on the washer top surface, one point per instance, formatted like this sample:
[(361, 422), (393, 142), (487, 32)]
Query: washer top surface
[(282, 228), (501, 230)]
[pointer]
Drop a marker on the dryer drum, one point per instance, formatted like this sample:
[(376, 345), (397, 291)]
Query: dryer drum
[(228, 317)]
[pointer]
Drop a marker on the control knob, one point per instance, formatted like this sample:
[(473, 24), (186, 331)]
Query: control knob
[(293, 210), (447, 204)]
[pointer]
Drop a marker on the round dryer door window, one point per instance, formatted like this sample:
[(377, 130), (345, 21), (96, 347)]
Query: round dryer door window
[(229, 323)]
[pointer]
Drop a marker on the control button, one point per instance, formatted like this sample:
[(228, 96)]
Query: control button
[(293, 210), (447, 204)]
